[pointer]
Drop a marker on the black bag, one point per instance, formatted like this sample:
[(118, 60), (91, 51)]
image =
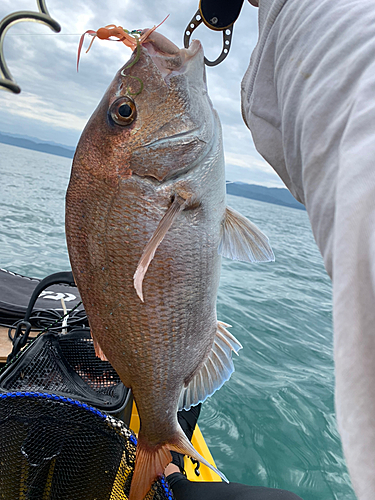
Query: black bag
[(59, 438), (63, 363), (15, 293)]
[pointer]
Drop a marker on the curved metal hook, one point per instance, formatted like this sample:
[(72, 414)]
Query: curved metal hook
[(227, 38), (6, 79)]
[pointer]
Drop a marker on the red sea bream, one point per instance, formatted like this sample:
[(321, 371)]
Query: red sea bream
[(146, 225)]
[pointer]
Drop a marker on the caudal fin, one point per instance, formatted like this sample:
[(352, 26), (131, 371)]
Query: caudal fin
[(152, 460), (150, 463)]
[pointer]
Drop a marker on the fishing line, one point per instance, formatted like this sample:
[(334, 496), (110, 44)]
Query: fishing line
[(43, 34), (42, 318), (136, 59)]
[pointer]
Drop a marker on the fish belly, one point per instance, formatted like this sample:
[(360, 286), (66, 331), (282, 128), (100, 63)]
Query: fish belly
[(155, 346)]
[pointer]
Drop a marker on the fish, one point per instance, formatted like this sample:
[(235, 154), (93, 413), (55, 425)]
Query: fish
[(146, 226)]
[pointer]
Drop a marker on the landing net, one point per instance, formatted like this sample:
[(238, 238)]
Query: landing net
[(57, 448)]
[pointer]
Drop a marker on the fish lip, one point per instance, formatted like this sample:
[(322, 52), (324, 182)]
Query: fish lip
[(194, 48), (173, 62), (162, 46), (160, 43)]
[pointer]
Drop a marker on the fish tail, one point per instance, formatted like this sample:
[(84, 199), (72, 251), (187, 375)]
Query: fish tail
[(152, 460), (150, 463)]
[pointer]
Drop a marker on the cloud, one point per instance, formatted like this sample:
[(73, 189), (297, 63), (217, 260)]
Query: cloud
[(36, 108), (247, 161), (56, 101), (251, 169)]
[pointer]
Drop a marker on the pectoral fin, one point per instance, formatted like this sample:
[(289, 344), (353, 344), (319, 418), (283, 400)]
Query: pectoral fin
[(151, 247), (216, 370), (242, 240)]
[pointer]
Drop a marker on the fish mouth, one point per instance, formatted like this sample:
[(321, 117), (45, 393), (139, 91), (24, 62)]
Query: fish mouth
[(160, 43), (168, 57)]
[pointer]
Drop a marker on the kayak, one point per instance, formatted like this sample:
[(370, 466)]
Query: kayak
[(15, 293)]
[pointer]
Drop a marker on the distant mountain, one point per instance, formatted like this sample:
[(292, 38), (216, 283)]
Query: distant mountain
[(35, 139), (45, 147), (278, 196)]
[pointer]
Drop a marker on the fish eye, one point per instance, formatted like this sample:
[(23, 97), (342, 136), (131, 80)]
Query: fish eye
[(123, 111)]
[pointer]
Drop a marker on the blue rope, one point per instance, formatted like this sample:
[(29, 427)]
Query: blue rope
[(166, 489), (45, 395)]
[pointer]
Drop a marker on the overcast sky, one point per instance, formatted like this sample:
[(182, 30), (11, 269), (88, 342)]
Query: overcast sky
[(56, 101)]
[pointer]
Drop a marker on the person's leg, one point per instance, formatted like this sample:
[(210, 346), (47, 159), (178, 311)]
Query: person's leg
[(183, 489)]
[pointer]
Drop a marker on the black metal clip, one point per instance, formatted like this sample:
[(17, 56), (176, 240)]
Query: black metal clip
[(6, 79), (197, 465), (218, 15)]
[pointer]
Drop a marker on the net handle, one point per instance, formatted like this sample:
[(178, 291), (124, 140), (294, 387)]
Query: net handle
[(22, 332), (64, 277)]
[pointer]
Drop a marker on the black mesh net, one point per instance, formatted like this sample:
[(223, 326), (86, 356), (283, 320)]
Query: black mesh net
[(80, 355), (66, 364), (56, 448)]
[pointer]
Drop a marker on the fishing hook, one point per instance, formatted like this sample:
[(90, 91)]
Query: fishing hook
[(6, 79), (218, 15)]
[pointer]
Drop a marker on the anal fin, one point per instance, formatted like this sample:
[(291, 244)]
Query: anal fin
[(243, 240), (216, 370)]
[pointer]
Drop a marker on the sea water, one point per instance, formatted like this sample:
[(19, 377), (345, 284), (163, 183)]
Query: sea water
[(273, 424)]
